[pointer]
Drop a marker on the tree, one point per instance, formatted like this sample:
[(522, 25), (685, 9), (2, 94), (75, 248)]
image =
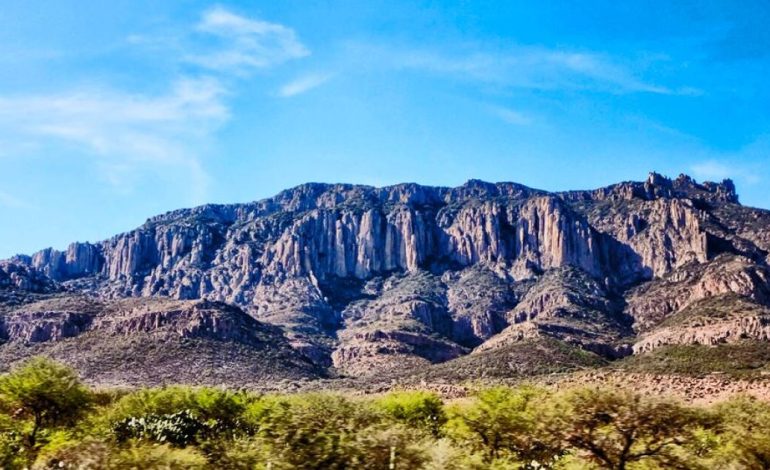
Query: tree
[(419, 409), (45, 392), (502, 422), (746, 424), (616, 428)]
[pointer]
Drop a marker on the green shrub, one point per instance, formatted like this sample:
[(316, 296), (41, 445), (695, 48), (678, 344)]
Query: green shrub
[(420, 410), (746, 429), (503, 423), (615, 429), (160, 456), (49, 420), (92, 454), (330, 431), (178, 429), (11, 450), (220, 410), (45, 394)]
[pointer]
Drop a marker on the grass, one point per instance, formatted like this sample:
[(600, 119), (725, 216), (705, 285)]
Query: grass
[(721, 307), (744, 360)]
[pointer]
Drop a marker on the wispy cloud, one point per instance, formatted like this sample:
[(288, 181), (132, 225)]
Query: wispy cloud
[(130, 134), (303, 84), (529, 67), (244, 43), (748, 164), (715, 170), (12, 201), (511, 116), (121, 130)]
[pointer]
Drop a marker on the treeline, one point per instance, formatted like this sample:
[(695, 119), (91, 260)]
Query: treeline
[(48, 419)]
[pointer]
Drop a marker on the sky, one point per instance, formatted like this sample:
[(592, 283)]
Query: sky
[(112, 112)]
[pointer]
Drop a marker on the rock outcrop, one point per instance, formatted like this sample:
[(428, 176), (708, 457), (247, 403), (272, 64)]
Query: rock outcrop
[(719, 319), (569, 305), (651, 303), (363, 278), (152, 341), (39, 327), (18, 275)]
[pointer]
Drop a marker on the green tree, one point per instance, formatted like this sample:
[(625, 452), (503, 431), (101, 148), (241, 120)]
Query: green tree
[(502, 422), (746, 425), (616, 428), (332, 432), (418, 409), (46, 393)]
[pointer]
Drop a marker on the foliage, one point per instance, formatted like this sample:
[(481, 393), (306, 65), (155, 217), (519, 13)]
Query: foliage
[(329, 431), (95, 454), (504, 423), (419, 409), (217, 411), (615, 428), (496, 428), (746, 425), (178, 429), (742, 359), (43, 394)]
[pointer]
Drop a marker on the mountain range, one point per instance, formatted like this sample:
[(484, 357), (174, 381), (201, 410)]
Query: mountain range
[(335, 282)]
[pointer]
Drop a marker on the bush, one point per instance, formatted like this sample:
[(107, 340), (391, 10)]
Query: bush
[(617, 428), (220, 410), (420, 410), (178, 429), (49, 420), (746, 428), (45, 394), (504, 423), (92, 454)]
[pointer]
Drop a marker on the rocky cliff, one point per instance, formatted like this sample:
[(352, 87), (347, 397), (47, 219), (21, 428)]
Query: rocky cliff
[(365, 279)]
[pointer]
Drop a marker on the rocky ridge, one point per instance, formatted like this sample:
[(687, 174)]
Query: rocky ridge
[(364, 280)]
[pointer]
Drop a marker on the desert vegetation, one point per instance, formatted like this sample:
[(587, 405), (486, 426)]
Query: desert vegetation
[(49, 419)]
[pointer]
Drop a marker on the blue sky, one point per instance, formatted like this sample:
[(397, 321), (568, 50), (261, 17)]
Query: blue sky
[(111, 112)]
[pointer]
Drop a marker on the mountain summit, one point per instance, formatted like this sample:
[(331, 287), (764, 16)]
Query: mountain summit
[(356, 280)]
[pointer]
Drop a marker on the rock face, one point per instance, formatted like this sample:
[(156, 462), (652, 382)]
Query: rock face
[(17, 275), (717, 319), (364, 278), (152, 341), (652, 302), (568, 304), (39, 327)]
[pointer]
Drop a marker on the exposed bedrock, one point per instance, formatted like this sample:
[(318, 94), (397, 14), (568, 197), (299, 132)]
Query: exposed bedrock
[(408, 271)]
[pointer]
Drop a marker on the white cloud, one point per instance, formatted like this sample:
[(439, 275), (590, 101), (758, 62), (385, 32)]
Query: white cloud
[(717, 170), (530, 67), (511, 116), (245, 43), (712, 170), (303, 84), (124, 132), (132, 135), (748, 164), (12, 201)]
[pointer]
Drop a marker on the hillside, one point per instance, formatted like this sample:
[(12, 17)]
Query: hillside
[(334, 281)]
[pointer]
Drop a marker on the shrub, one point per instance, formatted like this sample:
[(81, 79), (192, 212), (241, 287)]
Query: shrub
[(617, 428), (178, 429), (330, 431), (45, 393), (503, 423), (746, 427), (220, 410), (420, 410)]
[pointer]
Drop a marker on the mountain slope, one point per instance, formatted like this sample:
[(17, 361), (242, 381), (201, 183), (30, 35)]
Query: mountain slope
[(362, 280)]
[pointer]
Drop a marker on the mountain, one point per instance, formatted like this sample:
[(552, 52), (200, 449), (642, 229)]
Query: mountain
[(325, 281)]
